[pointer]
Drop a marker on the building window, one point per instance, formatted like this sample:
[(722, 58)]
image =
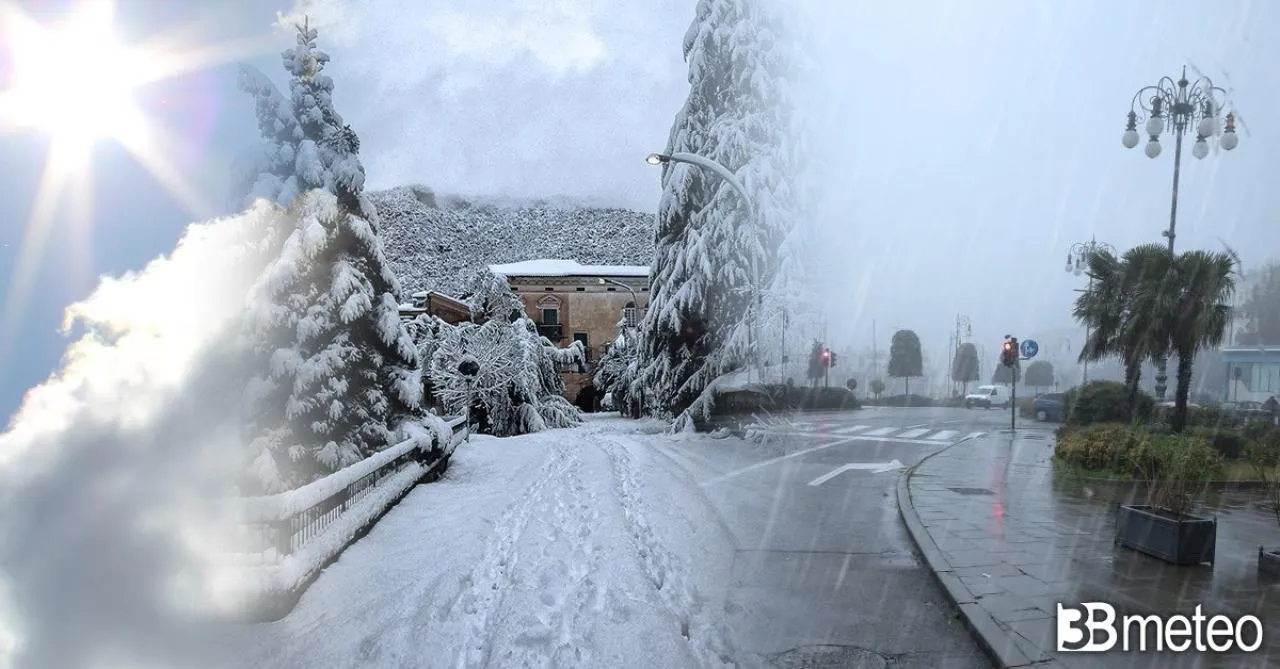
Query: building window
[(631, 315), (549, 310), (586, 343)]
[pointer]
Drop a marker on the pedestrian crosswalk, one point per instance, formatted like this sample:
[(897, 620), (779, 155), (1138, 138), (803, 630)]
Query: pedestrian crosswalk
[(912, 433)]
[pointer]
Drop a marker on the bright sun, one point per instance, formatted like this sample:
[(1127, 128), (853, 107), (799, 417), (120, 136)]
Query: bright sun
[(74, 82)]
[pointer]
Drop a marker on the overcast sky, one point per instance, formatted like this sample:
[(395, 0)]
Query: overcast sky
[(964, 145)]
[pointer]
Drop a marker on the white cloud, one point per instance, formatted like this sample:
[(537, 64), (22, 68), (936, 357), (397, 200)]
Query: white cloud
[(106, 470), (473, 97)]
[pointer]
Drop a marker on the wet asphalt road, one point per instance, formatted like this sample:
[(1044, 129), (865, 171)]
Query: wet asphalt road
[(825, 574)]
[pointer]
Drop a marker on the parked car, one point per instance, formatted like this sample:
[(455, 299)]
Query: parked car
[(987, 397), (1249, 410), (1049, 407)]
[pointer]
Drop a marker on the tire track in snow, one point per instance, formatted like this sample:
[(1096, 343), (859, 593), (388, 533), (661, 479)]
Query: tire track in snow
[(485, 588), (707, 639)]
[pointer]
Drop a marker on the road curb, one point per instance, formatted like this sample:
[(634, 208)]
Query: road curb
[(1000, 644)]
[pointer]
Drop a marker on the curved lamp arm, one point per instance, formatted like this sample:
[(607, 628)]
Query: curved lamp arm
[(703, 162)]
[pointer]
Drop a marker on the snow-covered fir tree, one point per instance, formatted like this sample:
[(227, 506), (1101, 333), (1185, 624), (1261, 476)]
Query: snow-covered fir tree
[(327, 154), (269, 171), (306, 144), (518, 388), (715, 250), (342, 374)]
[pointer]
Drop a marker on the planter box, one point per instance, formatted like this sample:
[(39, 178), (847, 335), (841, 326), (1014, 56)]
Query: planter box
[(1268, 562), (1186, 540)]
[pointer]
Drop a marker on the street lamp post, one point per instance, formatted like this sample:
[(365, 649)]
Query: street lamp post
[(1077, 264), (733, 181), (635, 301), (1178, 107)]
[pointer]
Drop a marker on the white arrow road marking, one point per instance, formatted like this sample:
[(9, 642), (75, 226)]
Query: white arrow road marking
[(912, 434), (881, 431), (873, 467), (851, 430), (974, 435), (943, 435)]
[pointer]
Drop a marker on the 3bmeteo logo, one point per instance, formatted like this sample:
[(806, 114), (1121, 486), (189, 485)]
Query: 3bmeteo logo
[(1092, 627)]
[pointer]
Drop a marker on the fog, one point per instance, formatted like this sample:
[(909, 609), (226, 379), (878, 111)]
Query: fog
[(961, 148), (967, 145), (107, 470)]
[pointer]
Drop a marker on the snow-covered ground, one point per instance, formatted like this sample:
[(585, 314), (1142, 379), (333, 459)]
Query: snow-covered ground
[(583, 547)]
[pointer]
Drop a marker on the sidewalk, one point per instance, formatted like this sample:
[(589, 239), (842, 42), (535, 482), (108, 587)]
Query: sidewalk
[(1008, 542)]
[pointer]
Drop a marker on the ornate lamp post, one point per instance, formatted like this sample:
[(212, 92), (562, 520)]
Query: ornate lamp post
[(1179, 107), (1077, 262)]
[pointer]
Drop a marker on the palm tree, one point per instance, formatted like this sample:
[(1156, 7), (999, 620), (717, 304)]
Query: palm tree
[(1118, 324), (1185, 305)]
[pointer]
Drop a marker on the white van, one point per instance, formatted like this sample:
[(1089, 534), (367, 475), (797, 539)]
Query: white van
[(987, 397)]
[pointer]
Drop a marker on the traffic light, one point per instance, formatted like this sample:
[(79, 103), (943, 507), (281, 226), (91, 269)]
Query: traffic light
[(1009, 352), (833, 358), (827, 357)]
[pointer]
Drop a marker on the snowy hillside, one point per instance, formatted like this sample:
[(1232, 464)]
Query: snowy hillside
[(433, 242)]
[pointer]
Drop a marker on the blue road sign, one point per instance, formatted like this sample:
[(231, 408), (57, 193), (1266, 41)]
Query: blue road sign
[(1030, 348)]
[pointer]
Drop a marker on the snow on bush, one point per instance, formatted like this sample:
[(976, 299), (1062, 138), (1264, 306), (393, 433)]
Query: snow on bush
[(517, 387), (616, 369)]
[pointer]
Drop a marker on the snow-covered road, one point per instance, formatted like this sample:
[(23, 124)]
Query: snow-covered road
[(570, 548)]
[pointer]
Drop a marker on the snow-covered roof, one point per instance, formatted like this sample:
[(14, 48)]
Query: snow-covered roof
[(550, 267)]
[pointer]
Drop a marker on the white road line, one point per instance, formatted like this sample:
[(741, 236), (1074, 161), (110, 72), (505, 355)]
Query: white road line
[(974, 435), (912, 434), (944, 435), (881, 431), (750, 468), (830, 475), (851, 430)]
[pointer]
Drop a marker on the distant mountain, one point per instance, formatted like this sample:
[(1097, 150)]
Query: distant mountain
[(433, 241)]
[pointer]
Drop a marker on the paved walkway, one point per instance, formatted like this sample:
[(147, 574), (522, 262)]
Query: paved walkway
[(1009, 541)]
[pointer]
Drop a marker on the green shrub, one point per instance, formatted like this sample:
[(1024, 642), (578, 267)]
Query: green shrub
[(1097, 447), (906, 401), (1176, 466), (1231, 443), (1105, 402), (1211, 417)]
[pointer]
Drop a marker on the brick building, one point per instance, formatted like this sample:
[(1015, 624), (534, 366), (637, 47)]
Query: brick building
[(572, 302)]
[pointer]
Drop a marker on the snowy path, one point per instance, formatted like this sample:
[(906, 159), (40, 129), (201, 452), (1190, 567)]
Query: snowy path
[(573, 548)]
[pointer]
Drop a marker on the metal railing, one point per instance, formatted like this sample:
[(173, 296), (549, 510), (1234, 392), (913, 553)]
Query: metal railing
[(278, 544)]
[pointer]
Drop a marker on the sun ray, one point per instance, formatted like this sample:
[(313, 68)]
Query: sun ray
[(147, 142), (193, 59), (50, 92), (63, 161)]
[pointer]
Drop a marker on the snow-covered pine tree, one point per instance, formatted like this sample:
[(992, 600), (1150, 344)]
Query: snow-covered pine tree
[(327, 155), (343, 373), (269, 172), (712, 247)]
